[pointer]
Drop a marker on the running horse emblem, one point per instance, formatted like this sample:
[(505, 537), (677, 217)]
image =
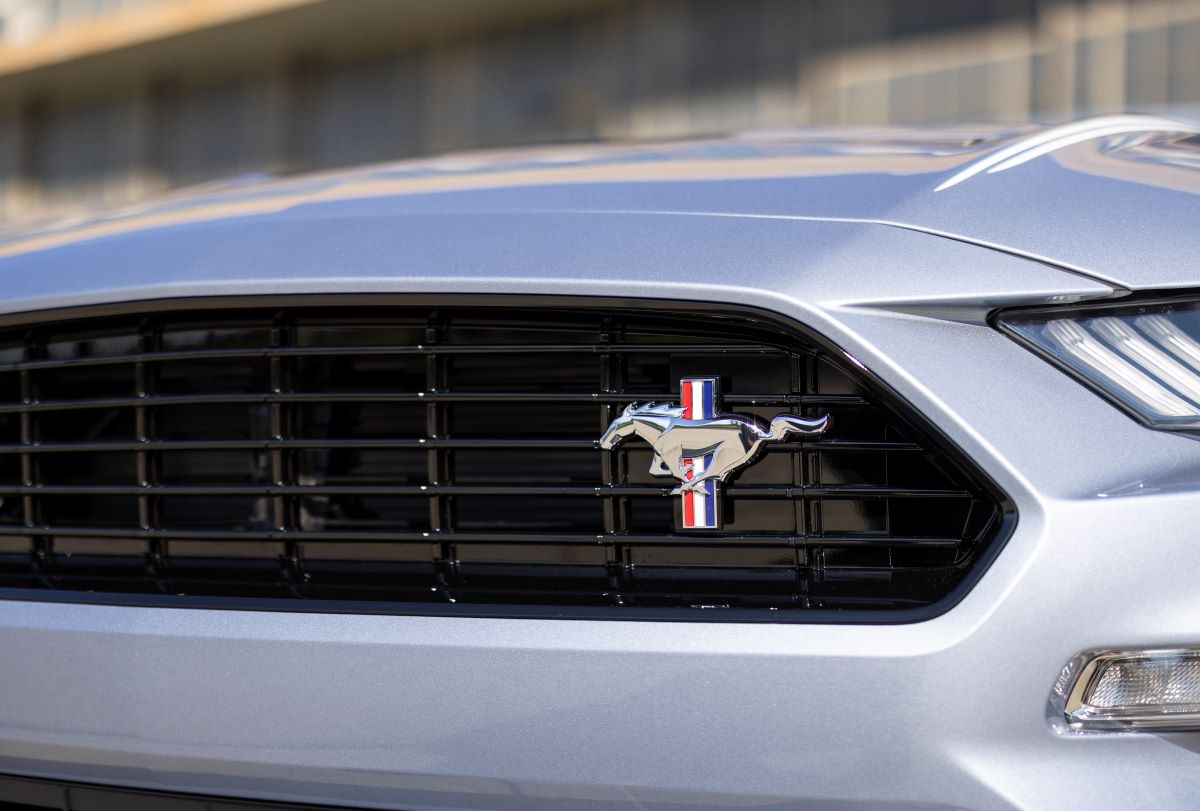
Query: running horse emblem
[(699, 447)]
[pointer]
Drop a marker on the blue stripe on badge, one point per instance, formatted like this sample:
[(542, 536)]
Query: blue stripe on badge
[(709, 400), (710, 492)]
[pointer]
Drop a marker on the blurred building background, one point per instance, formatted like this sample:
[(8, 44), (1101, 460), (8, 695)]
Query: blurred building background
[(104, 102)]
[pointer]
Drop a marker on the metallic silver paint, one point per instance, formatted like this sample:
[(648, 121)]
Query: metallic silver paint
[(422, 712), (1119, 207)]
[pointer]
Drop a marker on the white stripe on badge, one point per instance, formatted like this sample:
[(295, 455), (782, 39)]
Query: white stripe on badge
[(699, 497)]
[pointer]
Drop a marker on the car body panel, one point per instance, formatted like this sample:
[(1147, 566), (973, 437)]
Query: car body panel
[(819, 263), (423, 712), (412, 712), (1116, 197)]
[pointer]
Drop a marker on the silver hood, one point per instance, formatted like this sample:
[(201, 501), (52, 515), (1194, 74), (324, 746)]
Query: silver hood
[(1114, 198)]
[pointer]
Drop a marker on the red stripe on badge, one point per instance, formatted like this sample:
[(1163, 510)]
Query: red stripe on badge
[(686, 393)]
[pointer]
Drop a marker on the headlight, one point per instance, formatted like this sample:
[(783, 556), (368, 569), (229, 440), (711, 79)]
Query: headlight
[(1144, 357)]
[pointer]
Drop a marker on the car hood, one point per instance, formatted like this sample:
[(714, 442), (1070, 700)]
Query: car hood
[(1116, 198)]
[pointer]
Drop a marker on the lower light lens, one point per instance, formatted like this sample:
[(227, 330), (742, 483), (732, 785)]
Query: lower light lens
[(1154, 689)]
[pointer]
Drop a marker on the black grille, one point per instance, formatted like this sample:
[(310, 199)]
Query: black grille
[(445, 458)]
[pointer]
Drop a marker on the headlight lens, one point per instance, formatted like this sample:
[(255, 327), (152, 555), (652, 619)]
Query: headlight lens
[(1145, 357)]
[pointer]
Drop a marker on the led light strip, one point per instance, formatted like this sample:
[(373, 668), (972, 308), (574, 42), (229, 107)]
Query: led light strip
[(1128, 342), (1077, 342), (1178, 342)]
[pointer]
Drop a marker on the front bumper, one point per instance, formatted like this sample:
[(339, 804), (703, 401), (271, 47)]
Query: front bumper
[(414, 712), (423, 712)]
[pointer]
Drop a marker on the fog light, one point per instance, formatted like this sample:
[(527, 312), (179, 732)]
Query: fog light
[(1152, 689)]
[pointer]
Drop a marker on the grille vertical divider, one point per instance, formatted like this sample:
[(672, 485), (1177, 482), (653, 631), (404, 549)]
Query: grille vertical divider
[(887, 504), (282, 511), (436, 460), (970, 516), (612, 380), (797, 373), (814, 571), (147, 460), (41, 550), (142, 430)]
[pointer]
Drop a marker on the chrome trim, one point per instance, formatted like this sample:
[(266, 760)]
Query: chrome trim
[(1080, 675), (734, 440), (702, 453)]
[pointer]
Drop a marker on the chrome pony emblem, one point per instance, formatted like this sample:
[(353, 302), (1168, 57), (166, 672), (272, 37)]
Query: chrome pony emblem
[(700, 447)]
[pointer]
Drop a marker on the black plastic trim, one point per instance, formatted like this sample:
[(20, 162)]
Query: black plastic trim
[(999, 534)]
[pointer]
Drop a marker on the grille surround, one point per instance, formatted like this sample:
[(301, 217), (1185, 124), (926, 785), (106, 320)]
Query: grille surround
[(987, 542)]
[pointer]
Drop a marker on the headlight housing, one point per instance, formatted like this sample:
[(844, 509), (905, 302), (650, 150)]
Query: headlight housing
[(1144, 356)]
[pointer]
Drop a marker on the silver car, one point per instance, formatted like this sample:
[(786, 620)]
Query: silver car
[(833, 469)]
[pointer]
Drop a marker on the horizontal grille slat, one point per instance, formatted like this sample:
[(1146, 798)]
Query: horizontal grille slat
[(367, 351), (400, 397), (449, 456), (744, 541), (410, 443), (463, 489)]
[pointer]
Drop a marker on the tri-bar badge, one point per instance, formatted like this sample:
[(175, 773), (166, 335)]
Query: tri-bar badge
[(699, 446)]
